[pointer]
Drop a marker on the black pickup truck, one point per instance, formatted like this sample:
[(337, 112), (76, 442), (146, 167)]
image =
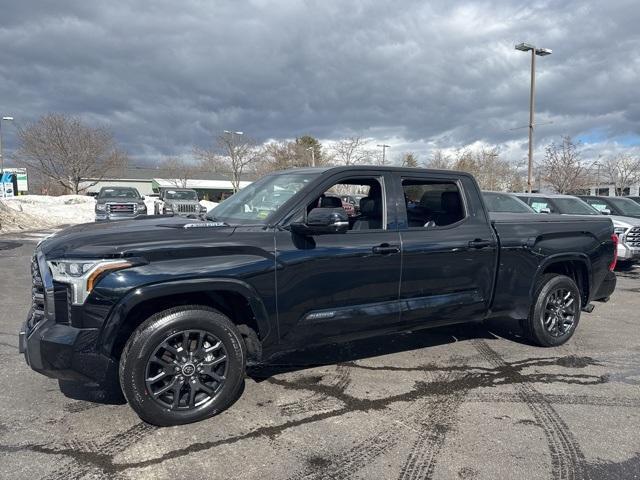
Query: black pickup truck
[(176, 308)]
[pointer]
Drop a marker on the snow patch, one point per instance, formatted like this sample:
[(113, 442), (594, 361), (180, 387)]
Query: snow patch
[(32, 212)]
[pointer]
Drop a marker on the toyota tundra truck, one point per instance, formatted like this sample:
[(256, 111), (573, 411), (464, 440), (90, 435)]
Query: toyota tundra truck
[(176, 308)]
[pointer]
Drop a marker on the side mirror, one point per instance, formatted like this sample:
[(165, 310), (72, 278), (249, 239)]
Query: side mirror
[(545, 210), (321, 221), (605, 211)]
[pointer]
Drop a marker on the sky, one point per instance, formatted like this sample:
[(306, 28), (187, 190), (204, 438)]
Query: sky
[(166, 76)]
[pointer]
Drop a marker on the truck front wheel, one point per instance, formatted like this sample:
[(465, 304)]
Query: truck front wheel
[(555, 311), (182, 365)]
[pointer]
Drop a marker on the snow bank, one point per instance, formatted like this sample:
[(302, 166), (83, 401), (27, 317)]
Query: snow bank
[(32, 212), (209, 205)]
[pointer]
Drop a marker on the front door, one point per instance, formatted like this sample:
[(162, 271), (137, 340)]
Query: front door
[(341, 285)]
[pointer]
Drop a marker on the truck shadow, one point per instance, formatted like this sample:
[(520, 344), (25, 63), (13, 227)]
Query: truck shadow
[(111, 394), (384, 345)]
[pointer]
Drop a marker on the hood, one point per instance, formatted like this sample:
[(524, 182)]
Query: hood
[(620, 221), (139, 237)]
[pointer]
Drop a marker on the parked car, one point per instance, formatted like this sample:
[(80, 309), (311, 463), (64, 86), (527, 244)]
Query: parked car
[(181, 202), (627, 228), (501, 202), (177, 307), (620, 206), (119, 203)]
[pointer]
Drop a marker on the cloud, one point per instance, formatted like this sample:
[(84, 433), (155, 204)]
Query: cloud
[(170, 75)]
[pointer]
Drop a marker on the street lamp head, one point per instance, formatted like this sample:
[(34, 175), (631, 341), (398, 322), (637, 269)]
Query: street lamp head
[(7, 118), (524, 47), (233, 133), (543, 52)]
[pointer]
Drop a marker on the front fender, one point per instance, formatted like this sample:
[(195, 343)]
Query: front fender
[(121, 310)]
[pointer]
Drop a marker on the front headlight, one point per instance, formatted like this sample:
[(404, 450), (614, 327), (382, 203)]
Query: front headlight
[(142, 208), (619, 231), (82, 275), (100, 207)]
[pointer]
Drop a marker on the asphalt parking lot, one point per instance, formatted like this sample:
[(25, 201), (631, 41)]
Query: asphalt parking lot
[(468, 402)]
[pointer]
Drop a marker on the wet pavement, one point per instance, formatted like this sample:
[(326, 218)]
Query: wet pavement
[(470, 402)]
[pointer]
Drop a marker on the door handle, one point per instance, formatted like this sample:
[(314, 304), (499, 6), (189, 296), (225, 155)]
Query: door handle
[(385, 249), (479, 243)]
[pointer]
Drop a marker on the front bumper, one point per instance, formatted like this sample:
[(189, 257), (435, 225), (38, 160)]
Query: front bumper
[(625, 252), (104, 217), (66, 353)]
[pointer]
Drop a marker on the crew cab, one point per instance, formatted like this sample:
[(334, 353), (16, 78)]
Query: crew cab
[(176, 308)]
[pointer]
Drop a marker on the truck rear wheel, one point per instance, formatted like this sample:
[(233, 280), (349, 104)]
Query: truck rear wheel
[(555, 313), (182, 365)]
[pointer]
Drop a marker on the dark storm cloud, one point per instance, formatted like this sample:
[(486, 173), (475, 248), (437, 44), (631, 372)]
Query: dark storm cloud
[(168, 75)]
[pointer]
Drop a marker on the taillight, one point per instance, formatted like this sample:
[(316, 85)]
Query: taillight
[(612, 265)]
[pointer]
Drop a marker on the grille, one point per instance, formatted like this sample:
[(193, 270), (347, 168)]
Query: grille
[(125, 208), (633, 237), (37, 296), (188, 208)]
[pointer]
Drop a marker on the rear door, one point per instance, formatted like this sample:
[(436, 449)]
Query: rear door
[(449, 250)]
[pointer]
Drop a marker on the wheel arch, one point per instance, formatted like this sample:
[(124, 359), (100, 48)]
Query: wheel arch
[(574, 265), (234, 298)]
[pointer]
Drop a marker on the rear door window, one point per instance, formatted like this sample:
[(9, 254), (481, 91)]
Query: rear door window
[(432, 203)]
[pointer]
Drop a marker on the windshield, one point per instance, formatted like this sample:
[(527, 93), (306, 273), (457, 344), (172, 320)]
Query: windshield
[(180, 195), (626, 206), (500, 202), (119, 193), (254, 203), (574, 206)]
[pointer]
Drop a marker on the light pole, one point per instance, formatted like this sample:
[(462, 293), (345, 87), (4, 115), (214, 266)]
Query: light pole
[(313, 156), (597, 165), (525, 47), (384, 149), (6, 119)]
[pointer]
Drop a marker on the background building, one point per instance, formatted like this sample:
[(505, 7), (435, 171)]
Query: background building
[(210, 186)]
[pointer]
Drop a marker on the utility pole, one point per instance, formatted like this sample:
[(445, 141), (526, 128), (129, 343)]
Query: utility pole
[(6, 119), (525, 47), (384, 149)]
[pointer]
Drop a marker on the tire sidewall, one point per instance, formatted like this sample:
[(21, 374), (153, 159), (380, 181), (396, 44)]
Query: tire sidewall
[(541, 333), (154, 331)]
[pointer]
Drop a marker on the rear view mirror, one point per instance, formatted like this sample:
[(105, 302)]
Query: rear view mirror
[(545, 210), (321, 221), (605, 211)]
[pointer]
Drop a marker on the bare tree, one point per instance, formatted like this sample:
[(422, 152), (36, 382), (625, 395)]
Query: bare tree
[(66, 151), (439, 160), (178, 172), (562, 168), (409, 159), (351, 151), (232, 155), (623, 171)]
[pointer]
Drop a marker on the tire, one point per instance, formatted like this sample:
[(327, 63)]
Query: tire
[(176, 352), (548, 321)]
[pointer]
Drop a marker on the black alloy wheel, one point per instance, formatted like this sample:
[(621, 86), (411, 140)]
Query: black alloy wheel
[(187, 370), (183, 365), (559, 313), (555, 310)]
